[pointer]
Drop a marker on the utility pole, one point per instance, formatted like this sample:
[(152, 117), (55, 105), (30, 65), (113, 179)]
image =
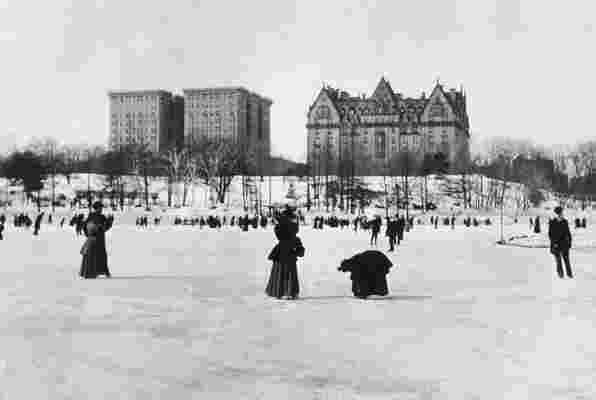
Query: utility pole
[(353, 171), (89, 179), (53, 176)]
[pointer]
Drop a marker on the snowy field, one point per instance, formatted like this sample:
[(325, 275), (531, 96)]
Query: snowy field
[(185, 317)]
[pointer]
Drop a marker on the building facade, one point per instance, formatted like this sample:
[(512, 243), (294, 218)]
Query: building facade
[(151, 117), (232, 112), (373, 132)]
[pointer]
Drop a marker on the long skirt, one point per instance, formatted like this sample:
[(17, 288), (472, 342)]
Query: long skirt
[(366, 284), (95, 261), (283, 280)]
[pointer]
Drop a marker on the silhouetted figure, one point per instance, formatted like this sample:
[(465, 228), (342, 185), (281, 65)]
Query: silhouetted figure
[(401, 227), (537, 225), (560, 242), (37, 224), (391, 232), (375, 229)]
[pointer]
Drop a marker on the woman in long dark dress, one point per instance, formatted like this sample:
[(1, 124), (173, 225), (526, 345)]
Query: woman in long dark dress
[(368, 272), (95, 257), (283, 281)]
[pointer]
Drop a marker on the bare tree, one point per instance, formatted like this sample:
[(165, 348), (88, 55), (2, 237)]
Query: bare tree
[(175, 162), (216, 161), (405, 163), (145, 165)]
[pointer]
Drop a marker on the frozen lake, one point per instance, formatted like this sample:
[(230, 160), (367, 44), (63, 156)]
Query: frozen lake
[(185, 317)]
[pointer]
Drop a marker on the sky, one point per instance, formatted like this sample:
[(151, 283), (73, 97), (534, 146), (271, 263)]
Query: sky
[(528, 66)]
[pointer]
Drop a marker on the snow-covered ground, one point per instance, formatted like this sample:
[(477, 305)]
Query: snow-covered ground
[(185, 317)]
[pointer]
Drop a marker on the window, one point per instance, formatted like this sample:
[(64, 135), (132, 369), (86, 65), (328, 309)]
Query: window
[(380, 144)]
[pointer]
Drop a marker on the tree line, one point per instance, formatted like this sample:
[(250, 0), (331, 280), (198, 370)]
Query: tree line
[(504, 161), (332, 182), (212, 161)]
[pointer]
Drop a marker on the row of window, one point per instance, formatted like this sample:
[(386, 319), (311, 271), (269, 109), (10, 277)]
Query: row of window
[(138, 114), (134, 130), (132, 123), (139, 99)]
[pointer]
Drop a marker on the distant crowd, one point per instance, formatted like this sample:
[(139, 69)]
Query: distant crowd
[(246, 222)]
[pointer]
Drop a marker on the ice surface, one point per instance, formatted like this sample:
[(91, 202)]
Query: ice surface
[(185, 316)]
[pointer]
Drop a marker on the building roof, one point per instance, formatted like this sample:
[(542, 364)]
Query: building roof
[(225, 89), (153, 92)]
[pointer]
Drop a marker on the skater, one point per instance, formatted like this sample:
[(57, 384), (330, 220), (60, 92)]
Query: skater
[(401, 227), (62, 222), (375, 229), (537, 225), (453, 222), (1, 230), (283, 280), (95, 258), (560, 242), (37, 224), (391, 232)]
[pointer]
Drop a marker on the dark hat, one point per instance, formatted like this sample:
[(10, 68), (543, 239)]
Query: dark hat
[(558, 210), (98, 205)]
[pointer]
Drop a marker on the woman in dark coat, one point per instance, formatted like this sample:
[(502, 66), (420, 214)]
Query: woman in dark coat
[(368, 272), (95, 257), (283, 281)]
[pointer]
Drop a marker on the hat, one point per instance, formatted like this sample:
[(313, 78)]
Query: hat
[(97, 205), (558, 210)]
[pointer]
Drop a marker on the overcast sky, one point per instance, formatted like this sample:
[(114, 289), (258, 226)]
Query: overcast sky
[(528, 66)]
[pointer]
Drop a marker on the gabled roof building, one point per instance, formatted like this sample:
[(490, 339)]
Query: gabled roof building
[(372, 132)]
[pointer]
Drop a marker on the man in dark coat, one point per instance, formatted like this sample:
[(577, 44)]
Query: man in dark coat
[(1, 230), (537, 225), (95, 257), (375, 229), (401, 226), (391, 232), (37, 224), (560, 242), (368, 272)]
